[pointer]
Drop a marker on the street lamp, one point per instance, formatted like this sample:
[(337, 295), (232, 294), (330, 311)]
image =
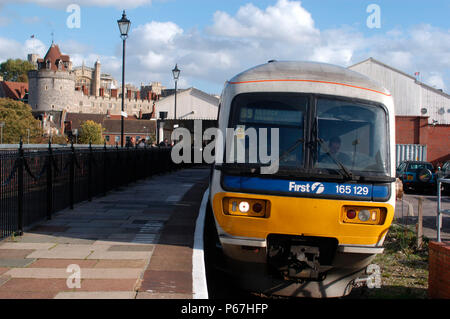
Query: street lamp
[(124, 27), (176, 75)]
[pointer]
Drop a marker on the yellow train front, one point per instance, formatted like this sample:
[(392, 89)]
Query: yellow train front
[(309, 221)]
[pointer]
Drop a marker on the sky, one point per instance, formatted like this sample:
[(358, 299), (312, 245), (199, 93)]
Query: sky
[(213, 40)]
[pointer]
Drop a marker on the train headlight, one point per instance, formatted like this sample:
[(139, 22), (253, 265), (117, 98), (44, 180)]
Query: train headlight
[(245, 207), (366, 215)]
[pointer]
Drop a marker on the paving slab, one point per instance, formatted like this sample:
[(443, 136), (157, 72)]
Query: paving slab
[(23, 262), (26, 295), (85, 273), (63, 263), (15, 253), (26, 246), (96, 295), (120, 255), (158, 295)]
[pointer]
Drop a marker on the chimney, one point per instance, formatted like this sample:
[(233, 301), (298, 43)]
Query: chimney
[(153, 111), (114, 93), (138, 95), (102, 91), (129, 94), (85, 90)]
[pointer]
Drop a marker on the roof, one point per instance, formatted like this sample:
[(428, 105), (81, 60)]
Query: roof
[(402, 73), (78, 118), (113, 124), (54, 54), (192, 90), (130, 126), (307, 71), (13, 90)]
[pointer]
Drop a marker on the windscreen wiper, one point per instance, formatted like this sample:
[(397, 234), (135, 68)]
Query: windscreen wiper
[(290, 149), (346, 172)]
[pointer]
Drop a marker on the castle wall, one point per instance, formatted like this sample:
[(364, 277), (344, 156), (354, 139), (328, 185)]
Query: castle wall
[(101, 105), (51, 90)]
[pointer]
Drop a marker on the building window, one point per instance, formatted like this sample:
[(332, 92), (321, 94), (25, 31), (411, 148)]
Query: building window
[(46, 87), (117, 139), (107, 138)]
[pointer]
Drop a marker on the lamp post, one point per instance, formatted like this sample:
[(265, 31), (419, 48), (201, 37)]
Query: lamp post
[(176, 75), (124, 27)]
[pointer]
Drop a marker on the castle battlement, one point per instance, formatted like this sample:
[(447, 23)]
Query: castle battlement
[(55, 86)]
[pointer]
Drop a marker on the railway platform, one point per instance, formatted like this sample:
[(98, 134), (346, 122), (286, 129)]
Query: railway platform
[(134, 243)]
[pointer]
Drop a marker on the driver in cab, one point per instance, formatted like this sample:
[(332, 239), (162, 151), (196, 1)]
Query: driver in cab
[(334, 145)]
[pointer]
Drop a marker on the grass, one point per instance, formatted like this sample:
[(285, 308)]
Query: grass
[(403, 267)]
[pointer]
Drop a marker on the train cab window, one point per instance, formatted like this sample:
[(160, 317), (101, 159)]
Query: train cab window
[(283, 111), (351, 134)]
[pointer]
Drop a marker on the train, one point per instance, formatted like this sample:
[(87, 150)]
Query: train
[(309, 222)]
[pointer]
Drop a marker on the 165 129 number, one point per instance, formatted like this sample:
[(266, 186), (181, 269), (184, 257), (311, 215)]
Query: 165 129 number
[(352, 190)]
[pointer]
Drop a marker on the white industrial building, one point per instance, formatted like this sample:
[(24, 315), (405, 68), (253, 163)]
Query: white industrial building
[(191, 104), (411, 97)]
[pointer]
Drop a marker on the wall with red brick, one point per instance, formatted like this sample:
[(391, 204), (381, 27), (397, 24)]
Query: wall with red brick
[(416, 130), (407, 130), (439, 270), (438, 143)]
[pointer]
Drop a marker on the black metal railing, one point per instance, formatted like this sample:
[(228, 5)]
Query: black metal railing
[(34, 183)]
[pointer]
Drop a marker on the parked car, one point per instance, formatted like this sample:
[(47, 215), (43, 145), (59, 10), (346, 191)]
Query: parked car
[(445, 173), (417, 175)]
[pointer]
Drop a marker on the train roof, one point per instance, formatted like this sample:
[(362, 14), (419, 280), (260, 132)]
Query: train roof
[(308, 71)]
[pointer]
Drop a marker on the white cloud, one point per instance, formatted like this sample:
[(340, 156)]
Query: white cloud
[(436, 80), (285, 21), (12, 49)]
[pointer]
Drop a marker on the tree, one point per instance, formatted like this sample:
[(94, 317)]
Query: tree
[(91, 132), (19, 122), (15, 70)]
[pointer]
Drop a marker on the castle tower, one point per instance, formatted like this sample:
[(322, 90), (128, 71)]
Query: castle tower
[(51, 87), (96, 80)]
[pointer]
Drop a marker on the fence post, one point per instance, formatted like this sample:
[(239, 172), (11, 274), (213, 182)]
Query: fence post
[(72, 175), (20, 190), (90, 172), (49, 181), (420, 224), (105, 171)]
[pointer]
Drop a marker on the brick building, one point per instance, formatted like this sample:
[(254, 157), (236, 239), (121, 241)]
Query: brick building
[(133, 127), (14, 90), (422, 112)]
